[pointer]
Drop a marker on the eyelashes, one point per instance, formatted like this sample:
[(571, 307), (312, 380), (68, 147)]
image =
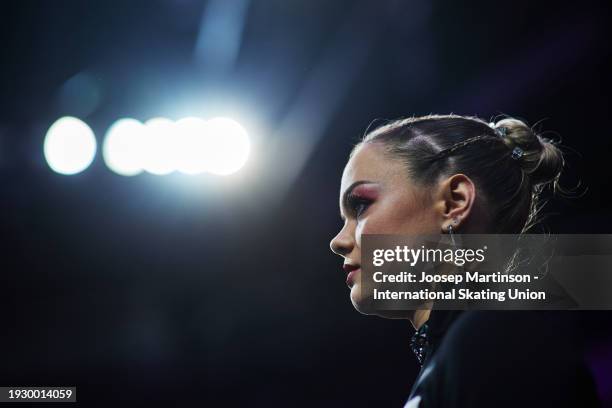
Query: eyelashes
[(358, 205)]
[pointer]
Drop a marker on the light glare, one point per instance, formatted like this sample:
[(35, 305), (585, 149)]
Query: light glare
[(192, 146), (69, 146), (123, 145), (230, 143), (159, 147)]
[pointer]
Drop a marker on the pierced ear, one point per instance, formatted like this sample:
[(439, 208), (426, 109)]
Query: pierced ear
[(456, 199)]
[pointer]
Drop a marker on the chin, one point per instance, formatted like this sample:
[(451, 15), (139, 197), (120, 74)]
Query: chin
[(363, 305), (356, 299)]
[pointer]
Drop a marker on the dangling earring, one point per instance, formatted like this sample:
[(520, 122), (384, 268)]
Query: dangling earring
[(450, 226), (451, 232)]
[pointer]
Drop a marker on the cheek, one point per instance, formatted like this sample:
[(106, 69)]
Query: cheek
[(396, 217), (376, 223), (360, 230), (373, 224)]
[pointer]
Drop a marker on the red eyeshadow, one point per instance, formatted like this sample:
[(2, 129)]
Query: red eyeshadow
[(367, 191)]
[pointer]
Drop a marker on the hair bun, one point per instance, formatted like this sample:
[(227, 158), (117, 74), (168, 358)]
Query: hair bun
[(541, 159)]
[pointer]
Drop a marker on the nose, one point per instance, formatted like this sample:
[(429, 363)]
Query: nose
[(342, 244)]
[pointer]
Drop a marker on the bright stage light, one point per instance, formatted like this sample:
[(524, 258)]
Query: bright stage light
[(159, 147), (230, 145), (192, 146), (70, 146), (123, 145)]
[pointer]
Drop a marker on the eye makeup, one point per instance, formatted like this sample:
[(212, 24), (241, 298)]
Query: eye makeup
[(366, 191), (359, 197)]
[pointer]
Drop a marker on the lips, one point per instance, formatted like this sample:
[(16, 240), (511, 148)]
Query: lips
[(351, 271)]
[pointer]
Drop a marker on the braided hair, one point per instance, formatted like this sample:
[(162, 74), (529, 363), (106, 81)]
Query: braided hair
[(509, 162)]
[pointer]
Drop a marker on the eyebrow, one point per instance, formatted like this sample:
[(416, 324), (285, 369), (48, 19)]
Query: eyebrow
[(348, 192)]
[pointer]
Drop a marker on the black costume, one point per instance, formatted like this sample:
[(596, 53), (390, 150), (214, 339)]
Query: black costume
[(500, 359)]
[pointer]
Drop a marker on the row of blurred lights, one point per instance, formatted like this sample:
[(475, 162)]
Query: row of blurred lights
[(158, 146)]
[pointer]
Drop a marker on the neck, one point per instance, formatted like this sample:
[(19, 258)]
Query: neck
[(419, 318)]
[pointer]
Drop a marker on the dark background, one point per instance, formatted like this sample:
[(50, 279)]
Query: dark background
[(222, 291)]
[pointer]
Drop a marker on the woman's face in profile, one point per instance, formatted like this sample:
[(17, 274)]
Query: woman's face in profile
[(378, 197)]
